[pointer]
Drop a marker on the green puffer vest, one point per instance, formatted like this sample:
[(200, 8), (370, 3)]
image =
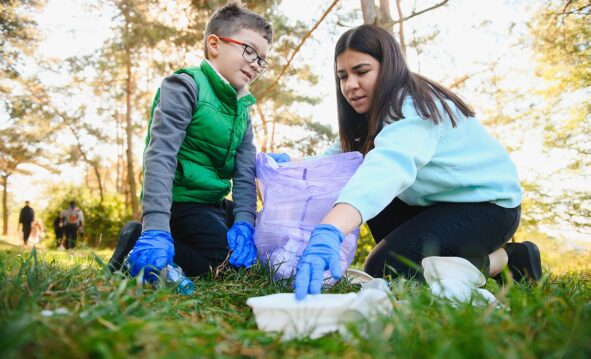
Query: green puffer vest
[(206, 157)]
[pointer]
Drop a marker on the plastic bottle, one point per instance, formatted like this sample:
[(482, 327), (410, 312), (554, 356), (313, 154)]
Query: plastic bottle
[(173, 274)]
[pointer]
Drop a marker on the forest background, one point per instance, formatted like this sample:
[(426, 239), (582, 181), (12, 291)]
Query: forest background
[(77, 79)]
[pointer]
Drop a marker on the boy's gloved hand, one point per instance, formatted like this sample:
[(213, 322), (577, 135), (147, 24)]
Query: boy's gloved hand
[(321, 253), (241, 242), (152, 252), (280, 157)]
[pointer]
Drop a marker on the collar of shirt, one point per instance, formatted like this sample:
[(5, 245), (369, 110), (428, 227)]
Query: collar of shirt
[(243, 91)]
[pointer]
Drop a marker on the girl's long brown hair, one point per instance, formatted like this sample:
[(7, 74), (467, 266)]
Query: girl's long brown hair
[(394, 83)]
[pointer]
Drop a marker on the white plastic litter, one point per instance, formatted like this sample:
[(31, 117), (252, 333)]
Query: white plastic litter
[(456, 279), (318, 314), (58, 311), (356, 276)]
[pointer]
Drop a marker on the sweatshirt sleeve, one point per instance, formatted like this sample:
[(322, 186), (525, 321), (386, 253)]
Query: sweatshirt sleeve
[(172, 115), (401, 149), (334, 149), (244, 188)]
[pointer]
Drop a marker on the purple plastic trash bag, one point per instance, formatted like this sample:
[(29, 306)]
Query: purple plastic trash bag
[(296, 197)]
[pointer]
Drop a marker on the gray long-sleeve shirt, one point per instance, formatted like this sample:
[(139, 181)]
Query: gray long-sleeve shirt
[(172, 115)]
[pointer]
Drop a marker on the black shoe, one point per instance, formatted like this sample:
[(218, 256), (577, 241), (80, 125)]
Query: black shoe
[(127, 237), (524, 261)]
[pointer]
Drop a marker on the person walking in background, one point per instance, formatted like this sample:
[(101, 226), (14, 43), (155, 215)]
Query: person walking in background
[(25, 218), (58, 227), (74, 219), (37, 232)]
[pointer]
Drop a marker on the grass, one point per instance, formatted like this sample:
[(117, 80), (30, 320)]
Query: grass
[(65, 305)]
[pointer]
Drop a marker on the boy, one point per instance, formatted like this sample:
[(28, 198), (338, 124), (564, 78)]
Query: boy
[(73, 221), (199, 138)]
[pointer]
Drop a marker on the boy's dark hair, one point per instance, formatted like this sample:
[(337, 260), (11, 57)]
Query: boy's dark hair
[(234, 17)]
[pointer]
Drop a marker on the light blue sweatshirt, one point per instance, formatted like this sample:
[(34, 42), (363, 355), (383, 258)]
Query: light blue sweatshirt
[(423, 163)]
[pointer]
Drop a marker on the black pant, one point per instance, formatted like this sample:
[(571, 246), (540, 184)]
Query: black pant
[(59, 234), (199, 233), (71, 232), (26, 232), (406, 234)]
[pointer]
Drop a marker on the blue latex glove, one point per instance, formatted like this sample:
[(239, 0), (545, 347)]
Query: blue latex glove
[(152, 252), (280, 157), (321, 253), (241, 242)]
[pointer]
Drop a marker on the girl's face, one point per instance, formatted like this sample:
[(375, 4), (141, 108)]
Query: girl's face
[(358, 74)]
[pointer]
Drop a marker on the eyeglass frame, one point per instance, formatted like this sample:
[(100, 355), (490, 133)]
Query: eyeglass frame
[(260, 61)]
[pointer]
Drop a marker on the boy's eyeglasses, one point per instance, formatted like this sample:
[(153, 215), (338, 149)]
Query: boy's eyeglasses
[(249, 54)]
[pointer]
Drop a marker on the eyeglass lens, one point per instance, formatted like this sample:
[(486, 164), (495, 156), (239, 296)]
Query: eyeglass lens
[(251, 55)]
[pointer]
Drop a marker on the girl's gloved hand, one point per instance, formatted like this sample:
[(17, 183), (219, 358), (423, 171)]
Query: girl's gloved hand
[(241, 243), (152, 252), (321, 253), (280, 157)]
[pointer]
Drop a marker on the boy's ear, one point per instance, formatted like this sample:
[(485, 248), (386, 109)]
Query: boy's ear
[(213, 43)]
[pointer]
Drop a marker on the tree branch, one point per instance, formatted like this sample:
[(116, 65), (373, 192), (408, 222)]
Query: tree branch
[(297, 49), (417, 13), (576, 11), (462, 79)]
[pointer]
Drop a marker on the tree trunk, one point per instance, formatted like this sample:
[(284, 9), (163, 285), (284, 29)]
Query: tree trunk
[(401, 28), (384, 16), (97, 173), (129, 132), (377, 15), (368, 9), (272, 141), (125, 185), (265, 136), (5, 205), (92, 163), (118, 187)]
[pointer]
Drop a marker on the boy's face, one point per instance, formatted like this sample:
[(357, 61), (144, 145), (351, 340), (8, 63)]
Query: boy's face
[(228, 60)]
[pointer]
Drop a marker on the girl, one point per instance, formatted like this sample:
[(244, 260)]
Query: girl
[(433, 181), (37, 232)]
